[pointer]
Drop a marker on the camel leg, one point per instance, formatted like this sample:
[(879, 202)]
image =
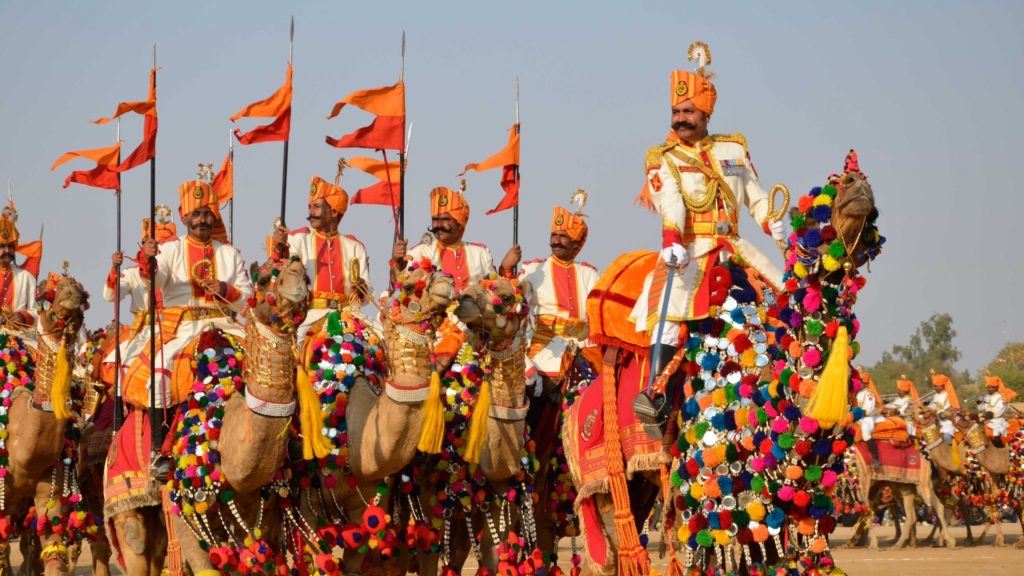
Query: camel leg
[(55, 561), (996, 518), (910, 515), (945, 538), (1020, 518), (198, 560), (870, 527)]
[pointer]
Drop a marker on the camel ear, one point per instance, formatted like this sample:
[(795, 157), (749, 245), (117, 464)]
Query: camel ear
[(254, 272)]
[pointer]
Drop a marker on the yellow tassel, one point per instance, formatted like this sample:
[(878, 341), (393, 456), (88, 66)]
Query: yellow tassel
[(433, 418), (314, 443), (830, 402), (957, 460), (478, 424), (60, 388)]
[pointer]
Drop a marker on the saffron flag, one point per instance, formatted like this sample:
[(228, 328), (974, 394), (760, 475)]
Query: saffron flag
[(385, 192), (224, 182), (104, 175), (103, 156), (277, 106), (507, 159), (146, 149), (33, 253), (387, 131)]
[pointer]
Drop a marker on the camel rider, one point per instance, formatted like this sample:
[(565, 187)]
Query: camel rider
[(993, 405), (465, 262), (697, 182), (905, 402), (17, 285), (944, 404), (557, 293), (203, 280), (133, 285), (336, 264), (869, 400)]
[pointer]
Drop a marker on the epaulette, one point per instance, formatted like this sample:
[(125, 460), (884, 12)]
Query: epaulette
[(654, 153), (736, 138), (534, 261), (356, 240), (478, 245), (588, 265), (303, 230)]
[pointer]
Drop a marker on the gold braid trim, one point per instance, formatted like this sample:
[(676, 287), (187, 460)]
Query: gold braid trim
[(270, 360), (46, 367), (508, 376), (408, 350), (714, 182)]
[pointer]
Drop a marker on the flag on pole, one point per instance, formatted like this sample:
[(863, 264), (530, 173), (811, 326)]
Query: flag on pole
[(508, 160), (277, 106), (33, 253), (104, 175), (385, 192), (387, 131), (146, 150), (224, 182)]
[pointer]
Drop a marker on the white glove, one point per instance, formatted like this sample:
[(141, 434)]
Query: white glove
[(778, 229), (677, 250), (535, 383)]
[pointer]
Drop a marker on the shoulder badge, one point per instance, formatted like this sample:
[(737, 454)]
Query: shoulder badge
[(736, 138)]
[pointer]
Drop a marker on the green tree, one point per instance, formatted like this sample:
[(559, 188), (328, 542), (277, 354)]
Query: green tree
[(930, 347), (1009, 365)]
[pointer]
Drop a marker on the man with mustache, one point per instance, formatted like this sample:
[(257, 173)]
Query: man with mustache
[(465, 262), (336, 265), (17, 286), (203, 280), (697, 182), (556, 288)]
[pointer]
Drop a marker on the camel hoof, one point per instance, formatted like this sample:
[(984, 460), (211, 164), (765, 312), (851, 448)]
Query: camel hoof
[(1020, 544), (1000, 543)]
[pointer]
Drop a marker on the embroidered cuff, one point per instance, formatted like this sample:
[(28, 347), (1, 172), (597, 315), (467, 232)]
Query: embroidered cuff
[(269, 409)]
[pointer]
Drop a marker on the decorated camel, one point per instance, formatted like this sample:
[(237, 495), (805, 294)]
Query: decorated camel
[(472, 495), (905, 474), (228, 444), (370, 393), (996, 472), (37, 443), (756, 446)]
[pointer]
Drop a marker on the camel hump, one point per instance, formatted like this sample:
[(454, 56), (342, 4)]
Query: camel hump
[(611, 301)]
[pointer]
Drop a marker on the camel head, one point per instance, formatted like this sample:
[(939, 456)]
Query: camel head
[(422, 293), (62, 301), (493, 309), (281, 295), (835, 231)]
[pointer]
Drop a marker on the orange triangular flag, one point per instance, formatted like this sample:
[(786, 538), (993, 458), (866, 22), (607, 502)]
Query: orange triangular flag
[(273, 106), (102, 156), (508, 156), (377, 168), (224, 181), (383, 101), (145, 108)]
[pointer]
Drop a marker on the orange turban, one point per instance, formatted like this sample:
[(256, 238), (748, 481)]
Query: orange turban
[(904, 385), (865, 378), (997, 382), (572, 224), (334, 195), (943, 381), (447, 201), (8, 231), (197, 194), (695, 87), (164, 232)]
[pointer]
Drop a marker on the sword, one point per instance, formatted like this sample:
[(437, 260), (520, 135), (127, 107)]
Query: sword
[(672, 265)]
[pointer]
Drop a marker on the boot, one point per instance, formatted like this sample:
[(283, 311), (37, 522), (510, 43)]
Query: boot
[(654, 408), (876, 462), (997, 441)]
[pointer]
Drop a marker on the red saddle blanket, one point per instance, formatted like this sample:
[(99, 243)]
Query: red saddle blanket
[(897, 464)]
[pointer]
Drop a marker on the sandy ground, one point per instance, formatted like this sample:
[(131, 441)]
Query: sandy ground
[(924, 561)]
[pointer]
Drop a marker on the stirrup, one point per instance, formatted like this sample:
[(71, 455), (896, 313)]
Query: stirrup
[(160, 468), (653, 413)]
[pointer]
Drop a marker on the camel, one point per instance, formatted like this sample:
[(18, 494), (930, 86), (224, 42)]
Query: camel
[(871, 493), (36, 422), (460, 497), (752, 457), (373, 434), (248, 442), (996, 470)]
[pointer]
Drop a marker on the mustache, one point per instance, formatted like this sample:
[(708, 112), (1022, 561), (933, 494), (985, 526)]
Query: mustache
[(437, 229), (683, 124), (312, 217)]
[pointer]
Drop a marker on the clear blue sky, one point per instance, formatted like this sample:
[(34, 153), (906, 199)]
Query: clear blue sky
[(928, 92)]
